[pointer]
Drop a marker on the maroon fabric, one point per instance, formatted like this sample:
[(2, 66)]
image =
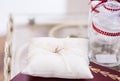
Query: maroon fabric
[(97, 76)]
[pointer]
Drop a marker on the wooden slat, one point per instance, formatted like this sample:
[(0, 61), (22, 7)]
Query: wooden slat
[(2, 41), (1, 66)]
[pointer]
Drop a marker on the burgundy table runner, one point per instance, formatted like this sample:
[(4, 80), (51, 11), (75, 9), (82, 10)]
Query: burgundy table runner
[(100, 74)]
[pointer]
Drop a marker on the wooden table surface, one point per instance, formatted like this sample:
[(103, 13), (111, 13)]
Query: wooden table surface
[(2, 40)]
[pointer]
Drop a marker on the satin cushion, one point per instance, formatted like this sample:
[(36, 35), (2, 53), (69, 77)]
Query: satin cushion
[(58, 57)]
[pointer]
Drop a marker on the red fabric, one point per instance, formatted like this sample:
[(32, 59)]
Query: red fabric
[(97, 76)]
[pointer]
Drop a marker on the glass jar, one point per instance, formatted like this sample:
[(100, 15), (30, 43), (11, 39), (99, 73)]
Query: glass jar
[(104, 33), (104, 44)]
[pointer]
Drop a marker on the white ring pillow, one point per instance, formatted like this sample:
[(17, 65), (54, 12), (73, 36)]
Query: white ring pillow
[(58, 57)]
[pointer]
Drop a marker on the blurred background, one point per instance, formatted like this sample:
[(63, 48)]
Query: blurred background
[(45, 7)]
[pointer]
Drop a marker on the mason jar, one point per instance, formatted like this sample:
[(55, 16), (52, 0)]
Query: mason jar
[(104, 43), (104, 33)]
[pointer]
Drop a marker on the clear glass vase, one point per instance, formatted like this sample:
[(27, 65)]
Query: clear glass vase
[(104, 47), (104, 33)]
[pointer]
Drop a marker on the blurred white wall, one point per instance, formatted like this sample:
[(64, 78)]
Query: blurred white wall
[(33, 6), (77, 6), (60, 7)]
